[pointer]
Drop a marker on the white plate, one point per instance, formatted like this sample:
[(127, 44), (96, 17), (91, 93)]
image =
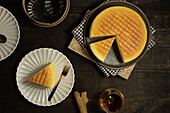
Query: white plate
[(8, 27), (34, 62)]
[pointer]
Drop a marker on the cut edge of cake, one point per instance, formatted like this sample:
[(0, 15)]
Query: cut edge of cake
[(121, 54), (128, 58)]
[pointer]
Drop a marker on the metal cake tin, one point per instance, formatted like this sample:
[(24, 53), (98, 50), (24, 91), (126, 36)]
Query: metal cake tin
[(114, 61)]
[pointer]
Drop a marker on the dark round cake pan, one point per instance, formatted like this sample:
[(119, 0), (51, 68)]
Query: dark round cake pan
[(111, 63)]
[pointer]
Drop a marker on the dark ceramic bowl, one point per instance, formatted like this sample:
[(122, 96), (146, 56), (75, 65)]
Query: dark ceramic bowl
[(114, 61), (46, 13)]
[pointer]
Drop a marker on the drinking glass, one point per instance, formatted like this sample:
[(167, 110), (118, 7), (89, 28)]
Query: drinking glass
[(111, 100)]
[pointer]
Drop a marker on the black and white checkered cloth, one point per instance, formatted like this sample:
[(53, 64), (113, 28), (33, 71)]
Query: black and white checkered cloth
[(78, 34)]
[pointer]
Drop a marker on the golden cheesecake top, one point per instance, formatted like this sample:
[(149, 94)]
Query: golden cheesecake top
[(45, 77), (127, 25)]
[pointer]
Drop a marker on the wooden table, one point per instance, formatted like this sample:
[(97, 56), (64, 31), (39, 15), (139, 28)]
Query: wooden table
[(146, 91)]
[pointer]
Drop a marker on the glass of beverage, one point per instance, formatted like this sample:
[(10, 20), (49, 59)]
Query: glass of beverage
[(111, 100)]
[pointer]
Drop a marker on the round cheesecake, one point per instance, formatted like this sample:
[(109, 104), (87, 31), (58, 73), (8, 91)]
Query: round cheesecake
[(127, 25)]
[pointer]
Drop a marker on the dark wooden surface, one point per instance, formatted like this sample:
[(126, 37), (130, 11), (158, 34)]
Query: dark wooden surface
[(146, 91)]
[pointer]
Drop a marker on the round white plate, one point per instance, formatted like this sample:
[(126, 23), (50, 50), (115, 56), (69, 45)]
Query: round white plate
[(32, 63), (10, 28)]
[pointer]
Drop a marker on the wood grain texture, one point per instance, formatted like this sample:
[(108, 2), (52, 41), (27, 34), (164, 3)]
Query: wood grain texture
[(146, 91)]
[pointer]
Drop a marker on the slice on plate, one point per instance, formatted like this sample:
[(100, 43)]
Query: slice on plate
[(101, 48), (45, 77)]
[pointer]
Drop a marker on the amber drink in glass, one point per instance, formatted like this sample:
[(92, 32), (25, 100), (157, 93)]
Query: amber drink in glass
[(111, 100)]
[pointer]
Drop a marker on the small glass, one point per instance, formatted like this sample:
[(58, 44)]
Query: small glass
[(111, 100)]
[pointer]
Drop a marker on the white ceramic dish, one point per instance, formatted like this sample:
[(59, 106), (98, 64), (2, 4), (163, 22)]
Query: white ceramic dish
[(34, 62), (10, 28)]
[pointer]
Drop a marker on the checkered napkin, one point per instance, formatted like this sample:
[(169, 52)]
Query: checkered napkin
[(78, 34)]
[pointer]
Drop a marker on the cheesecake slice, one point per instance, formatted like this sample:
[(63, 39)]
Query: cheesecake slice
[(45, 77), (101, 48)]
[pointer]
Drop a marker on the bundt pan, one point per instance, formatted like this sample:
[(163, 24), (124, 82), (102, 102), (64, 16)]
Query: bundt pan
[(115, 61), (46, 13)]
